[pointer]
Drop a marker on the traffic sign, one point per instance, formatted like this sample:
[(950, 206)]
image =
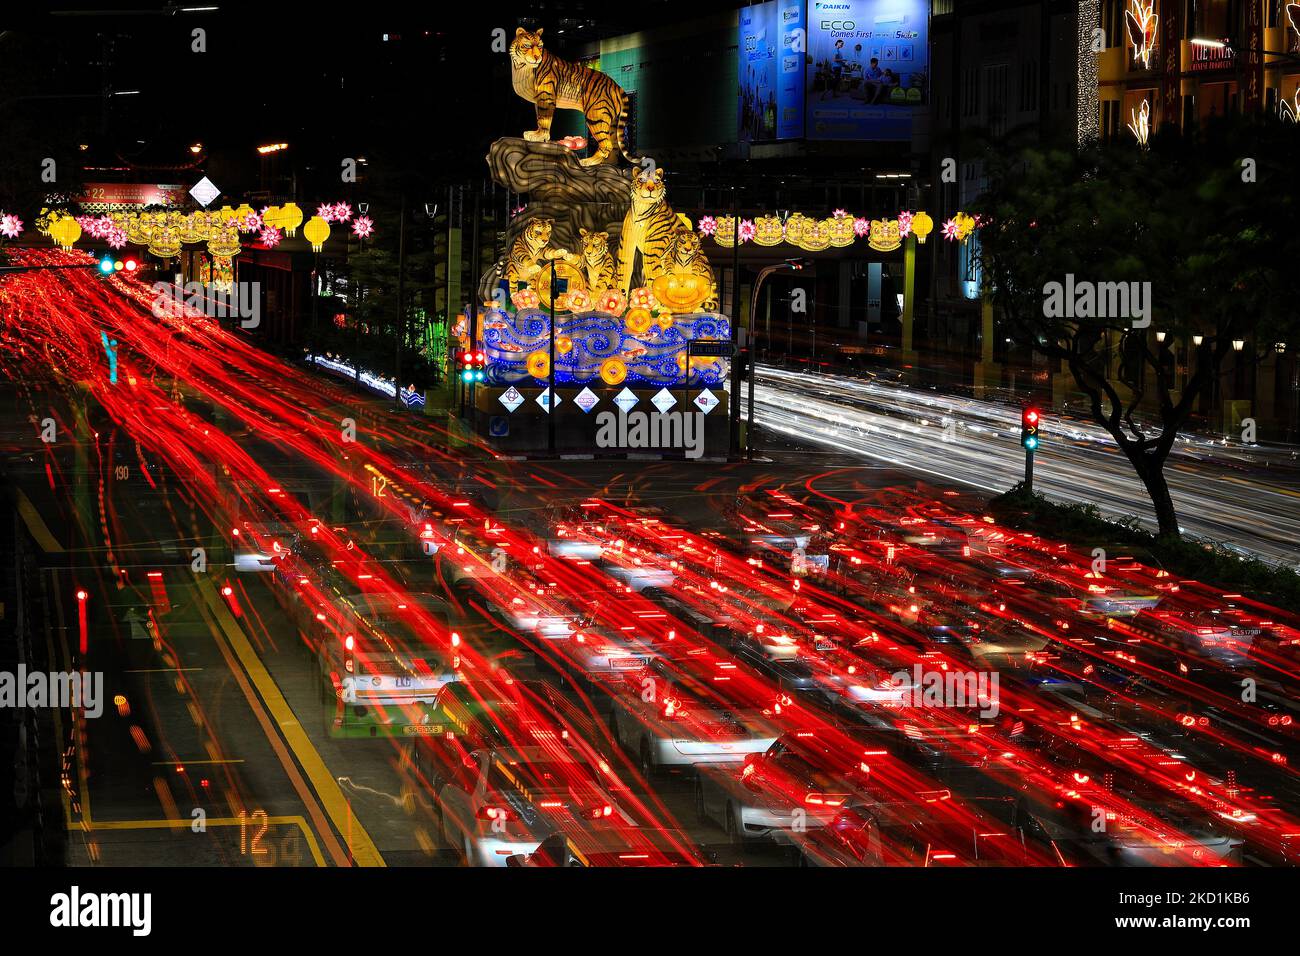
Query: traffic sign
[(709, 347)]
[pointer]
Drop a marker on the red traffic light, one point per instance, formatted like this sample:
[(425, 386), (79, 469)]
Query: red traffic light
[(130, 265), (1031, 416)]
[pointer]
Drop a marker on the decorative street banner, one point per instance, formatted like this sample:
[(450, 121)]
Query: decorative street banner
[(868, 67), (770, 71)]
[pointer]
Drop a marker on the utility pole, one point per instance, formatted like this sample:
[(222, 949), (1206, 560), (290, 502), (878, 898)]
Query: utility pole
[(401, 302), (733, 409), (474, 278), (550, 385)]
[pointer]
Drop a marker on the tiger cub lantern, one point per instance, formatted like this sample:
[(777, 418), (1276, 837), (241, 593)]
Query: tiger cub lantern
[(548, 82), (597, 262), (528, 264), (686, 283)]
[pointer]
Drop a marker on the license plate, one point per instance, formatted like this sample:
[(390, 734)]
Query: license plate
[(626, 663), (422, 730)]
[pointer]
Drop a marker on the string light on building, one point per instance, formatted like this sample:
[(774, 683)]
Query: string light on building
[(1087, 104)]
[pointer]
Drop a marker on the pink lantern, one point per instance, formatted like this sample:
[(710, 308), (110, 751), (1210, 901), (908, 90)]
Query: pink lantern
[(904, 224), (362, 227), (342, 212), (708, 225), (270, 236), (10, 226)]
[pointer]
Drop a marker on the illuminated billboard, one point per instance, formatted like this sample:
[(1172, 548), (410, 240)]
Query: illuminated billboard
[(867, 68), (770, 71)]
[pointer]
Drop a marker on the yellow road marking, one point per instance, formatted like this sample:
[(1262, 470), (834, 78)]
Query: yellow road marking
[(297, 821), (36, 525), (363, 849)]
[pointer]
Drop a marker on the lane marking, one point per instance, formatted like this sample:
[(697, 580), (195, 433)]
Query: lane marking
[(35, 524), (363, 850)]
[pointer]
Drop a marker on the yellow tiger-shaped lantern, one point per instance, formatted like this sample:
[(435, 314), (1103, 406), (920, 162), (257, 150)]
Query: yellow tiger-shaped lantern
[(648, 229), (547, 82)]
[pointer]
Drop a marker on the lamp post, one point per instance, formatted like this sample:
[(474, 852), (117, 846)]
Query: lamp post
[(550, 373), (794, 265), (733, 410), (401, 303)]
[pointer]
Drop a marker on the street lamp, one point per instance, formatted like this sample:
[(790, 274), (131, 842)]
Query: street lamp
[(795, 265), (1198, 339), (1160, 336), (1238, 344)]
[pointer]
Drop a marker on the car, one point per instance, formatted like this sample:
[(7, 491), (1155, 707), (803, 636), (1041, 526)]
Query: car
[(382, 659), (920, 834), (801, 782), (673, 724), (616, 846), (600, 653), (502, 802)]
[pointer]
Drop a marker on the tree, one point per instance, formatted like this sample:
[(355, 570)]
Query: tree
[(1204, 221)]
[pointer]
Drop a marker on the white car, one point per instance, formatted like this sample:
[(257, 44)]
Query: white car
[(502, 803), (674, 729)]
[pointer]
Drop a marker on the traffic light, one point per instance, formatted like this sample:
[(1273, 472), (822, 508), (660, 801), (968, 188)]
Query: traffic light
[(1029, 421), (110, 264), (472, 363)]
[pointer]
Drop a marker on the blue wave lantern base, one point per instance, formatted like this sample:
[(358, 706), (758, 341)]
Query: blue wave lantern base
[(653, 357)]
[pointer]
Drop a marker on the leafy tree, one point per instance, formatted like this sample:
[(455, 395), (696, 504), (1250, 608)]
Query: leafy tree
[(1207, 218)]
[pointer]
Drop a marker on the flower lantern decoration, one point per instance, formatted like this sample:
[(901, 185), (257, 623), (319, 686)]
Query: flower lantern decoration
[(65, 231), (612, 301), (270, 236), (839, 213), (10, 226), (922, 226), (950, 229), (246, 219), (747, 230), (708, 225), (904, 224), (342, 212), (117, 238), (861, 226), (642, 298), (325, 211), (525, 298), (316, 231), (363, 227), (579, 300)]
